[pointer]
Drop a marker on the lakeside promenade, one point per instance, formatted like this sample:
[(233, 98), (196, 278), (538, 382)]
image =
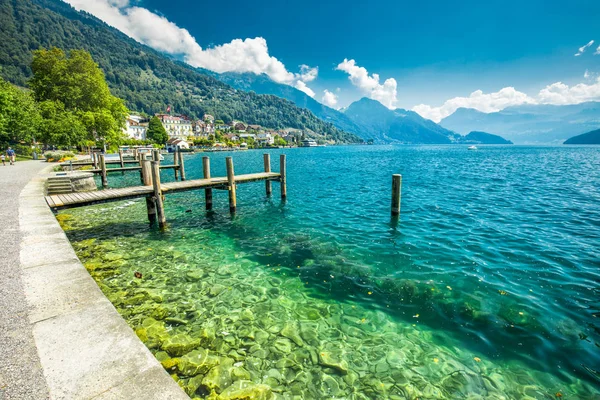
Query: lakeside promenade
[(60, 337), (21, 375)]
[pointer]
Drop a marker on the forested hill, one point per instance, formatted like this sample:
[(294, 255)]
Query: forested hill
[(147, 80)]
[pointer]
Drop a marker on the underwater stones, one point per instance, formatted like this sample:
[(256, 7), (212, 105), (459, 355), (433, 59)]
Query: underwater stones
[(308, 332), (330, 386), (311, 314), (282, 345), (196, 362), (192, 385), (261, 336), (159, 312), (153, 331), (176, 321), (215, 290), (219, 377), (194, 275), (246, 390), (207, 335), (239, 373), (290, 331), (247, 315), (333, 360), (112, 256), (246, 332), (166, 361), (180, 344)]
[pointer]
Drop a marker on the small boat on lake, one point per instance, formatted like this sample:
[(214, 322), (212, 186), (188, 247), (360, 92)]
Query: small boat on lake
[(308, 143), (472, 148)]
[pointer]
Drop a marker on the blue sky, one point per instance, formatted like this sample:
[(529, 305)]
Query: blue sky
[(425, 53)]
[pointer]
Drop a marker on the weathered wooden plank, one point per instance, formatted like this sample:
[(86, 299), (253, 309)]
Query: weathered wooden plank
[(50, 201)]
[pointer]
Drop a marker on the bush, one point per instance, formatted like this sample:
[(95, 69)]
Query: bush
[(58, 155), (23, 150)]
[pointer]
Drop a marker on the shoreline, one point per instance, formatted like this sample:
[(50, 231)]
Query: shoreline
[(86, 348)]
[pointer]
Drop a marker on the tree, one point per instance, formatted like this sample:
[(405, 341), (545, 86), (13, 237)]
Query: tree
[(19, 114), (156, 131), (78, 89)]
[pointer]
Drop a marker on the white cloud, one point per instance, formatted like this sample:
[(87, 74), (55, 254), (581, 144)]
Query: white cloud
[(560, 93), (300, 85), (586, 74), (247, 55), (597, 52), (385, 93), (484, 102), (583, 48), (329, 99)]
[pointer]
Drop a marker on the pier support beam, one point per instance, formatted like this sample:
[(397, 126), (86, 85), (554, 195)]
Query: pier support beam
[(181, 166), (231, 184), (103, 167), (158, 201), (147, 181), (282, 179), (121, 159), (396, 193), (175, 160), (207, 192), (156, 155), (268, 186)]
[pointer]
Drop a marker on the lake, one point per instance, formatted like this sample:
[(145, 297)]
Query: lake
[(487, 285)]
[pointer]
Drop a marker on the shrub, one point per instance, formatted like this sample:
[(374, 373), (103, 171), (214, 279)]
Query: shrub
[(56, 155)]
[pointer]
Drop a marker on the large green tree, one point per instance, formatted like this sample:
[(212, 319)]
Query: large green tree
[(19, 114), (156, 131), (73, 88)]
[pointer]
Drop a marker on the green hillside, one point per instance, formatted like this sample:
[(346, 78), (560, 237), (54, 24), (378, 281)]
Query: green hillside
[(147, 80), (592, 137)]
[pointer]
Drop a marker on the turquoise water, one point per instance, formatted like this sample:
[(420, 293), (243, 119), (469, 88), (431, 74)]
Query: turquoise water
[(492, 270)]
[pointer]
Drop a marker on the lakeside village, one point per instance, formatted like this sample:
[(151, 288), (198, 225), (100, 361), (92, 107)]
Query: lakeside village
[(186, 134)]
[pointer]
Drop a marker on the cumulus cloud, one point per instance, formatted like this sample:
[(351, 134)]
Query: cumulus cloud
[(329, 99), (583, 48), (484, 102), (597, 52), (240, 55), (385, 93), (561, 94), (300, 85)]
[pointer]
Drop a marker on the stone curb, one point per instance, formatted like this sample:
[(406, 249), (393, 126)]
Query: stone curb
[(87, 351)]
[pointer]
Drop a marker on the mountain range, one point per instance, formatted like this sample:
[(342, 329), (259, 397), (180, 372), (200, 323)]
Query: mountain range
[(529, 124)]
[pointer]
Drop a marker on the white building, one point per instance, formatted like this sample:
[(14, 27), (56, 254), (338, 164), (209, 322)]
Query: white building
[(176, 126), (265, 138), (175, 143), (136, 127)]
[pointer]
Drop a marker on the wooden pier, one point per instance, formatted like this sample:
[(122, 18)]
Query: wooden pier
[(154, 191)]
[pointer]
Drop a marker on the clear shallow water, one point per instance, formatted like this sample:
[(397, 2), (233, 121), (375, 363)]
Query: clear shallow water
[(488, 285)]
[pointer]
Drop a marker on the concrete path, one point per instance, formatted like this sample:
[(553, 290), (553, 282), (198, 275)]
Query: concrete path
[(60, 337), (21, 374)]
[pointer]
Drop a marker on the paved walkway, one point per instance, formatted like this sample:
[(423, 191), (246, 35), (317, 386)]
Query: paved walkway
[(21, 374)]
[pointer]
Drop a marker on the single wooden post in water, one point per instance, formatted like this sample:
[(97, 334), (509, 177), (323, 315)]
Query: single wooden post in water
[(268, 186), (135, 153), (156, 155), (207, 192), (121, 159), (231, 184), (103, 167), (175, 161), (181, 166), (282, 178), (147, 181), (396, 193), (158, 201)]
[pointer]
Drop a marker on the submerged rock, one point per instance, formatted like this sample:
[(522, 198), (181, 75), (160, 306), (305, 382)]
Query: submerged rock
[(246, 390), (180, 344), (219, 377), (197, 362), (290, 331), (333, 360)]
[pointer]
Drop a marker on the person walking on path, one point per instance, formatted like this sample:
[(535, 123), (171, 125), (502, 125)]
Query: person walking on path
[(3, 157), (11, 156)]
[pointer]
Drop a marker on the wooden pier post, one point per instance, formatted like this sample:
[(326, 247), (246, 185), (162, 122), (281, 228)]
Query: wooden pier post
[(175, 160), (135, 153), (103, 167), (268, 186), (95, 159), (396, 193), (158, 202), (156, 155), (121, 158), (181, 166), (207, 192), (282, 179), (147, 181), (231, 184)]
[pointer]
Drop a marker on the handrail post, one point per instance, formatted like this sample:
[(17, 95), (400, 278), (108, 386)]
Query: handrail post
[(267, 161), (103, 167), (396, 193), (158, 202), (207, 192), (282, 179), (231, 184), (181, 165)]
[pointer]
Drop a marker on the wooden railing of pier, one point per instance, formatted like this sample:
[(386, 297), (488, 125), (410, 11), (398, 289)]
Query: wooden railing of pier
[(154, 191)]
